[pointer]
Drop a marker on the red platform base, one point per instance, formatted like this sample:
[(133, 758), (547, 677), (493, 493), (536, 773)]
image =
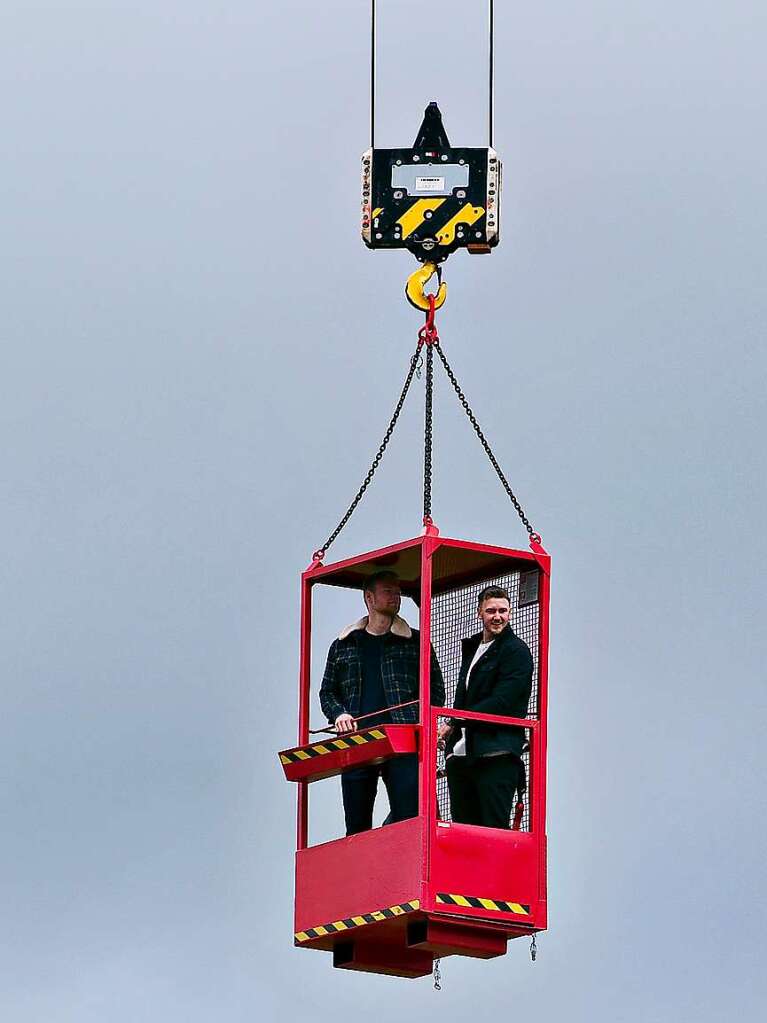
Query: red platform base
[(371, 957), (363, 898), (407, 946), (452, 938)]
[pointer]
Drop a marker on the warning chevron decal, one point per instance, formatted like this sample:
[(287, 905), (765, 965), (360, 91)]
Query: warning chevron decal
[(356, 921), (318, 749), (473, 902)]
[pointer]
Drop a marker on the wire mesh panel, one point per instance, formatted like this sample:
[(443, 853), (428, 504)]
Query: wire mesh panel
[(454, 618)]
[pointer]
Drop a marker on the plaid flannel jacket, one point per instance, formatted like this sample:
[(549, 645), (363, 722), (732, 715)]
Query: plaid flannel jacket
[(342, 682)]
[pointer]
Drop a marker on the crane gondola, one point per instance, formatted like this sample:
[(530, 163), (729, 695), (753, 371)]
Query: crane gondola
[(397, 898)]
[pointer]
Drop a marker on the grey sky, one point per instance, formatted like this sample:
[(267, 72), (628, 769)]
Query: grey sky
[(199, 357)]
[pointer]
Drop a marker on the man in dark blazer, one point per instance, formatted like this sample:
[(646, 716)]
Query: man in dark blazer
[(484, 765), (371, 667)]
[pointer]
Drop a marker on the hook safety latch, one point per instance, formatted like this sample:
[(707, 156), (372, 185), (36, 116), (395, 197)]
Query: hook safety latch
[(416, 283)]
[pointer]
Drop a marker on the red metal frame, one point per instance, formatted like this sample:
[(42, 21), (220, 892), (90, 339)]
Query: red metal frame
[(494, 857), (302, 823), (427, 779), (399, 876)]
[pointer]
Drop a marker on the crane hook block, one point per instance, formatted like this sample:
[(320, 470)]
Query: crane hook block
[(433, 198), (415, 285)]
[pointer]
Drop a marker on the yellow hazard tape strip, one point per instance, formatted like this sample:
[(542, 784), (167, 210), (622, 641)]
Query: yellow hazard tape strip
[(331, 746), (467, 215), (357, 921), (416, 214), (472, 902)]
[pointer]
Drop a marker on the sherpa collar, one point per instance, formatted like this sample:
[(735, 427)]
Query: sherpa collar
[(399, 627)]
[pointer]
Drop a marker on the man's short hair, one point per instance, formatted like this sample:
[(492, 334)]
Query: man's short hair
[(493, 591), (385, 575)]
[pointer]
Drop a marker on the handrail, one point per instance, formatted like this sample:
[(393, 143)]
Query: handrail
[(370, 714), (453, 712), (471, 715)]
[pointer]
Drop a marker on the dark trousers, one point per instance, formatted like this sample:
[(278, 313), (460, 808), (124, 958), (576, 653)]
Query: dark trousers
[(482, 789), (360, 784)]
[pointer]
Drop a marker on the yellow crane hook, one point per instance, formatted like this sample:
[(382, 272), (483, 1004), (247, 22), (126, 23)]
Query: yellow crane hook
[(415, 285)]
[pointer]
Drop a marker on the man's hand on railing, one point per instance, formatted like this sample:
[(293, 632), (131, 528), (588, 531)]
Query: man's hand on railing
[(443, 732), (345, 723)]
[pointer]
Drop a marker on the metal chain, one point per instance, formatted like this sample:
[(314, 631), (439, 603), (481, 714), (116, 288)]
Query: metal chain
[(488, 450), (437, 976), (533, 949), (427, 442), (320, 553)]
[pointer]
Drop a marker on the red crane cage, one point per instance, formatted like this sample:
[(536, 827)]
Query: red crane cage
[(393, 899)]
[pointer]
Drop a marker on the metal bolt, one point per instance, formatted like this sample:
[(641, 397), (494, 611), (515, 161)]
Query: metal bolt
[(461, 193), (416, 159), (379, 235), (398, 194), (477, 234), (444, 157), (428, 214)]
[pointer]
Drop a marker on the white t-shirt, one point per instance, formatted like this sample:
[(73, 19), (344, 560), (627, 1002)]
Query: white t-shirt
[(460, 746)]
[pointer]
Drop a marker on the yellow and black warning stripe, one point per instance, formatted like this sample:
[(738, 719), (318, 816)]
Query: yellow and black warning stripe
[(450, 216), (357, 921), (472, 902), (331, 746)]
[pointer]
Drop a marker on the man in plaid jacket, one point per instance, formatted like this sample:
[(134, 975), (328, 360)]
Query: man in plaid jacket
[(372, 666)]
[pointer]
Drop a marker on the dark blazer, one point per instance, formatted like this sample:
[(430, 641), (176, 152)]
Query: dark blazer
[(342, 682), (500, 683)]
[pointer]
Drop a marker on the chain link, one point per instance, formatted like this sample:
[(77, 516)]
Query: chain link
[(488, 450), (437, 976), (533, 949), (320, 553), (427, 441)]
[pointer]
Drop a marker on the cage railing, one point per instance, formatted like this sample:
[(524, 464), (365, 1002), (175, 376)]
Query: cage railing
[(531, 821), (494, 719)]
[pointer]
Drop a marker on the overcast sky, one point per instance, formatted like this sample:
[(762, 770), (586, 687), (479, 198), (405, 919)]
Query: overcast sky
[(199, 359)]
